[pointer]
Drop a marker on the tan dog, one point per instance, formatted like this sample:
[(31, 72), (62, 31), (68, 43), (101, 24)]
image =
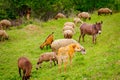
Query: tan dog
[(67, 52)]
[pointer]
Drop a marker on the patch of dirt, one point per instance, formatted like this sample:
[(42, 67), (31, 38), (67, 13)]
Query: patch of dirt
[(31, 27)]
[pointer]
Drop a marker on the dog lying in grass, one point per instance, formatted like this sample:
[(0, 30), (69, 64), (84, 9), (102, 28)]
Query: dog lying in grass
[(67, 52)]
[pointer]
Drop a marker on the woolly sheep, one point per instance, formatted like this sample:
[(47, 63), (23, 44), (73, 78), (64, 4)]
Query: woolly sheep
[(61, 43), (48, 56), (69, 24), (77, 20), (84, 15), (3, 35), (104, 11), (5, 23), (1, 27), (68, 34), (16, 22), (68, 28), (60, 15)]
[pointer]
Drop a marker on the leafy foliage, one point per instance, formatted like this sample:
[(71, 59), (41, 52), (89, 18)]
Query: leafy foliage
[(44, 9)]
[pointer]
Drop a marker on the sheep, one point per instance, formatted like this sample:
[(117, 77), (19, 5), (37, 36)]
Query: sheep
[(61, 43), (48, 41), (5, 23), (68, 34), (3, 35), (77, 20), (59, 15), (84, 15), (68, 28), (104, 11), (16, 22), (1, 27), (69, 24), (48, 56)]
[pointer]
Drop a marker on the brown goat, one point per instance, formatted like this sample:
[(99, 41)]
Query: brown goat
[(26, 66), (90, 29), (48, 56), (48, 41)]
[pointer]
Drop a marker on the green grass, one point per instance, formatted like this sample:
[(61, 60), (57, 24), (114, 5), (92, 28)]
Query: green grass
[(102, 61)]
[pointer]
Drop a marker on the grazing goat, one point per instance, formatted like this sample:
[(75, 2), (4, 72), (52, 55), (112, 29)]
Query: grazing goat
[(26, 66), (66, 53), (48, 41), (90, 29), (48, 56)]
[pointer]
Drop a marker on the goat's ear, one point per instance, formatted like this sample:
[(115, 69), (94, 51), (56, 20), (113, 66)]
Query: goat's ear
[(101, 22)]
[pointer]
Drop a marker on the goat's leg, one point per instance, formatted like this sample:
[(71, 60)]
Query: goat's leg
[(20, 72)]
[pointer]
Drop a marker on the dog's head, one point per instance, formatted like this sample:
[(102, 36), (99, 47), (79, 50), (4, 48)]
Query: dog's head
[(79, 48)]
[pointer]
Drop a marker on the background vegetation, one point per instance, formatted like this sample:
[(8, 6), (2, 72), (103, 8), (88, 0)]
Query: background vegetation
[(44, 9), (102, 61)]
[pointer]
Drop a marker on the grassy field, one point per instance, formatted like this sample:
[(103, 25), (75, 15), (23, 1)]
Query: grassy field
[(102, 61)]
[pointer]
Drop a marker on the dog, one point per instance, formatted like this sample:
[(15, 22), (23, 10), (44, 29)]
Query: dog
[(67, 52)]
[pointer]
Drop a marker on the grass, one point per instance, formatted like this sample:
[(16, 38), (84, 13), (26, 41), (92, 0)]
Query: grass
[(102, 61)]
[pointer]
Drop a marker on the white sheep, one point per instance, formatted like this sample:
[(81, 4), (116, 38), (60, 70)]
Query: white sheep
[(3, 35), (69, 24), (84, 15), (60, 15), (68, 34), (48, 56), (77, 20), (61, 43), (5, 23), (68, 28)]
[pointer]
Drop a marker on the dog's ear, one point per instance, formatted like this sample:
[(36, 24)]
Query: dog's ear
[(73, 45)]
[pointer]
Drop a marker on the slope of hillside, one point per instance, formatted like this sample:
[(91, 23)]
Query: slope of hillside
[(102, 61)]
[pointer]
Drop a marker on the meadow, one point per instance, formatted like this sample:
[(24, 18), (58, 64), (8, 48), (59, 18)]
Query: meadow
[(101, 62)]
